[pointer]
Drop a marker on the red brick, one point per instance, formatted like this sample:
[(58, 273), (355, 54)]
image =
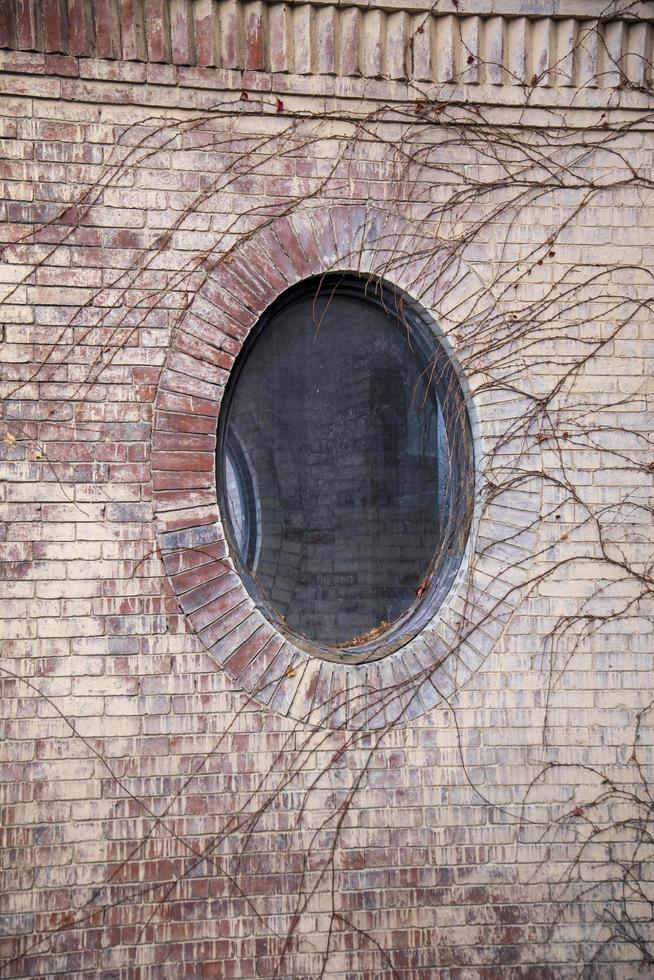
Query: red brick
[(190, 558), (179, 480), (225, 310), (192, 345), (189, 442), (232, 290), (132, 30), (193, 516), (350, 42), (302, 258), (218, 607), (55, 25), (230, 55), (259, 665), (181, 34), (7, 23), (182, 461), (257, 262), (175, 422), (326, 240), (246, 651), (206, 29), (254, 47), (267, 669), (28, 25), (326, 33), (62, 64), (188, 384), (22, 61), (197, 366), (198, 576), (188, 406), (80, 28), (235, 611), (107, 29), (157, 29)]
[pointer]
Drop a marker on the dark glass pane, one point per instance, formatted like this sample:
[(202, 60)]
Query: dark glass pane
[(336, 465)]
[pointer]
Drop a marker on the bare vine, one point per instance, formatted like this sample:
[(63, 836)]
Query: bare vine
[(465, 184)]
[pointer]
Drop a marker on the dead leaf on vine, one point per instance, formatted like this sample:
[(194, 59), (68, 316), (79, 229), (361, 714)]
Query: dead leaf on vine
[(369, 635), (291, 672), (9, 439)]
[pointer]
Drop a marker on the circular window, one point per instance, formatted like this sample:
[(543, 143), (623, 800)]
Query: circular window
[(344, 467)]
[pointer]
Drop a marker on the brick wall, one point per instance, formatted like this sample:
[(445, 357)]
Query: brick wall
[(185, 794)]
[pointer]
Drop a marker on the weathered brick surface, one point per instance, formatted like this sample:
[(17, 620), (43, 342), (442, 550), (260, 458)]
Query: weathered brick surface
[(157, 820), (301, 47)]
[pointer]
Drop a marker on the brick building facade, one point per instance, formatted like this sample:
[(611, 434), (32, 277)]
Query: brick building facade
[(187, 793)]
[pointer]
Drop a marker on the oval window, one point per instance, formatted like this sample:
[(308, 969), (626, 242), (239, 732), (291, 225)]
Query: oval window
[(345, 468)]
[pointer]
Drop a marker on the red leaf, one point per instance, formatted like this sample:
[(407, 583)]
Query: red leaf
[(279, 105), (471, 59), (244, 97), (577, 812)]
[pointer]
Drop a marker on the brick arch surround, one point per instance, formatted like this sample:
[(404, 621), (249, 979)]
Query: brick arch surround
[(262, 662)]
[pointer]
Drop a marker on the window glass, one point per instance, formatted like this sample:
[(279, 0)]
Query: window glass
[(339, 456)]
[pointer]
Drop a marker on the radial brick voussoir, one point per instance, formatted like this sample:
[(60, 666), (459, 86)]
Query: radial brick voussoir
[(264, 664)]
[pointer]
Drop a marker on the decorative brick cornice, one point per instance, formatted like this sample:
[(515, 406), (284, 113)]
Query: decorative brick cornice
[(568, 45), (218, 607)]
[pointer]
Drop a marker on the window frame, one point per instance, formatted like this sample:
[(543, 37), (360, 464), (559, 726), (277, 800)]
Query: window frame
[(445, 564)]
